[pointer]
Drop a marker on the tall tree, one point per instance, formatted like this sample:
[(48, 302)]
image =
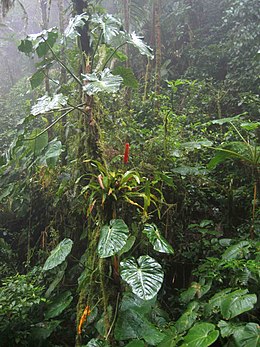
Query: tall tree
[(5, 6), (158, 43)]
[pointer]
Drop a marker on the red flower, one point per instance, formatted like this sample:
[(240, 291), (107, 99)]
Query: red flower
[(126, 155)]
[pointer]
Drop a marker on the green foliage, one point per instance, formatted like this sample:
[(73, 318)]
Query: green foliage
[(41, 43), (202, 334), (134, 323), (248, 335), (74, 24), (58, 255), (58, 305), (145, 276), (127, 74), (181, 194), (96, 343), (20, 296), (236, 303), (113, 238), (106, 82), (46, 104), (157, 240)]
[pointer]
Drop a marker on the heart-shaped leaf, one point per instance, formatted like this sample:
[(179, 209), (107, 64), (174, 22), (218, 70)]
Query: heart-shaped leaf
[(236, 303), (103, 82), (228, 328), (145, 276), (135, 343), (157, 240), (58, 255), (188, 318), (113, 238), (201, 335), (134, 325), (129, 244), (137, 42), (236, 251), (109, 25), (59, 304), (248, 336), (96, 343), (74, 24), (46, 104)]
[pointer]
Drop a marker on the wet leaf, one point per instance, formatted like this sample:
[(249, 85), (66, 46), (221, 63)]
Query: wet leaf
[(113, 238), (157, 240), (58, 254), (145, 276)]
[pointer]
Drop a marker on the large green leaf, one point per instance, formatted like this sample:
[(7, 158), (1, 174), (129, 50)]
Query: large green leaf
[(189, 294), (128, 76), (222, 121), (58, 277), (250, 125), (96, 343), (74, 24), (41, 42), (58, 305), (145, 276), (52, 153), (37, 78), (233, 150), (102, 82), (47, 40), (46, 104), (134, 325), (190, 170), (237, 302), (58, 254), (113, 238), (190, 146), (129, 244), (188, 318), (109, 25), (39, 143), (171, 339), (131, 301), (236, 251), (201, 335), (228, 328), (248, 336), (135, 343), (157, 240), (43, 330), (137, 42)]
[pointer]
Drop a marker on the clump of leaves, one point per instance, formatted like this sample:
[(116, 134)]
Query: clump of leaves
[(20, 296)]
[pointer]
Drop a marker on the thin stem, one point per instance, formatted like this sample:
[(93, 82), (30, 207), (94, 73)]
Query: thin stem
[(253, 211), (95, 50), (244, 140), (62, 64), (72, 108), (235, 154), (112, 54), (114, 319), (51, 125)]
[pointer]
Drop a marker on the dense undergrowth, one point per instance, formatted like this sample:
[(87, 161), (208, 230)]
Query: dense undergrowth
[(128, 217)]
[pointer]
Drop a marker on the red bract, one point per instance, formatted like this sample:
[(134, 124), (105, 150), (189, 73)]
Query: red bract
[(126, 154)]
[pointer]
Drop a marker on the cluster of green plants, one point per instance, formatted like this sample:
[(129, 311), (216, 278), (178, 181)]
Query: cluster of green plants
[(156, 247)]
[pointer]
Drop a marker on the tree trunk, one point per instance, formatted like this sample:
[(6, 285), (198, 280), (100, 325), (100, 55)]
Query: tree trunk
[(63, 80), (89, 132), (44, 25), (158, 44), (90, 294), (127, 27)]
